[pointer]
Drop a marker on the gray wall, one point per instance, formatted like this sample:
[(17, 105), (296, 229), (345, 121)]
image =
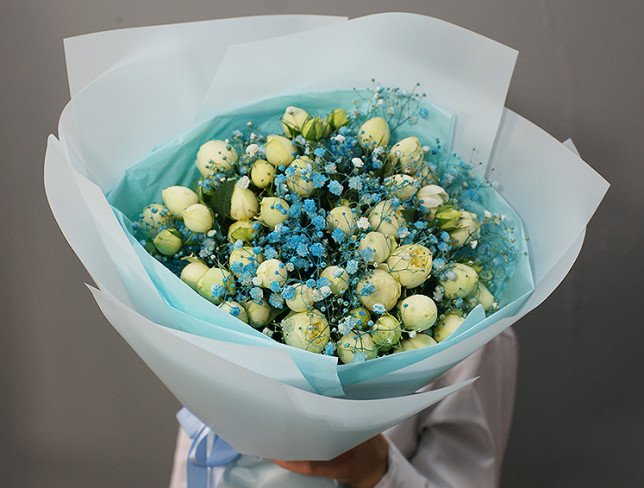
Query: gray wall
[(79, 409)]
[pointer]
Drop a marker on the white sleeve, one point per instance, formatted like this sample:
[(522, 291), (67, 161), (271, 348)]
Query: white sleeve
[(461, 441)]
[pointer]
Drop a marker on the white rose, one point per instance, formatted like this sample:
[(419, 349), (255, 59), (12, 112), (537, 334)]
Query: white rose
[(241, 230), (386, 332), (356, 343), (418, 342), (460, 280), (467, 228), (215, 156), (447, 326), (431, 197), (192, 273), (301, 182), (402, 186), (385, 219), (272, 270), (235, 309), (374, 132), (198, 218), (381, 244), (153, 217), (213, 277), (341, 218), (387, 290), (280, 151), (482, 296), (178, 198), (306, 330), (245, 256), (259, 314), (243, 204), (293, 120), (338, 279), (303, 299), (168, 242), (418, 312), (273, 211), (410, 264), (408, 154), (262, 173)]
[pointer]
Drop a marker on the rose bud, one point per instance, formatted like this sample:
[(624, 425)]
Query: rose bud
[(360, 318), (402, 186), (280, 151), (306, 330), (460, 280), (262, 173), (481, 295), (302, 300), (244, 256), (270, 271), (293, 120), (374, 132), (153, 217), (192, 273), (447, 326), (301, 182), (214, 156), (178, 198), (168, 242), (408, 154), (235, 309), (431, 197), (259, 314), (198, 218), (448, 217), (417, 342), (356, 343), (273, 211), (338, 279), (384, 288), (315, 129), (242, 230), (243, 204), (381, 244), (338, 118), (467, 228), (410, 264), (386, 332), (208, 285), (385, 219), (341, 218), (418, 312)]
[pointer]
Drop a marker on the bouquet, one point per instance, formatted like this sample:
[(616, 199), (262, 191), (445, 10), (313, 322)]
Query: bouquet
[(317, 267)]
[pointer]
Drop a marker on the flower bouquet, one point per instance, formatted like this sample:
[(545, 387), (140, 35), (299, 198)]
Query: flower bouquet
[(287, 252)]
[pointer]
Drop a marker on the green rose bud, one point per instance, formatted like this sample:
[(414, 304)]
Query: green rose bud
[(168, 242), (235, 309), (198, 218), (410, 264), (243, 204), (386, 290), (303, 299), (259, 314), (407, 154), (467, 229), (418, 312), (214, 156), (386, 219), (482, 296), (374, 132), (447, 326), (381, 245), (192, 273), (402, 186), (341, 218), (280, 151), (448, 217), (460, 280), (273, 211), (301, 182), (338, 279), (315, 129), (213, 277), (417, 342), (306, 330), (244, 256), (262, 173), (338, 118), (272, 270), (355, 343), (178, 198), (386, 332), (360, 318), (293, 120), (154, 217), (242, 230)]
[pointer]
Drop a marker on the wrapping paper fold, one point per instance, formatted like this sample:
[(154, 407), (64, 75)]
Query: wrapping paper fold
[(137, 90)]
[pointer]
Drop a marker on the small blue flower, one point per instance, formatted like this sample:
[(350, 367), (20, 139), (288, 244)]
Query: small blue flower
[(319, 151), (379, 308), (275, 286), (318, 180), (335, 187), (309, 206), (317, 250), (288, 292), (276, 301), (338, 235), (256, 293), (329, 349), (352, 266)]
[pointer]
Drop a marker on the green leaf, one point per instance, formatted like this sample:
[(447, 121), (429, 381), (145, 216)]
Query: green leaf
[(220, 201)]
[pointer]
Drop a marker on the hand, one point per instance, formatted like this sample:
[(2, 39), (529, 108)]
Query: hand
[(361, 467)]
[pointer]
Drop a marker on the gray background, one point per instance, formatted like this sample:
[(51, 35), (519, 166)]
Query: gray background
[(79, 409)]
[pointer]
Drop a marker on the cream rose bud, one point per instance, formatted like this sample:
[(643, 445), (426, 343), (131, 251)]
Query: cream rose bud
[(235, 309), (198, 218), (301, 182), (447, 326), (262, 174), (259, 314), (381, 245), (431, 197), (315, 129), (241, 230), (272, 270), (338, 118), (481, 295), (386, 332), (402, 186), (243, 204), (213, 278), (417, 342), (374, 132), (306, 330), (273, 211), (338, 279), (448, 217), (153, 217), (378, 288), (192, 273), (408, 154), (242, 257), (410, 264), (215, 156), (178, 198), (353, 344), (467, 228), (302, 300), (280, 151), (168, 242), (293, 120), (360, 317), (341, 218), (386, 219), (418, 312), (460, 280)]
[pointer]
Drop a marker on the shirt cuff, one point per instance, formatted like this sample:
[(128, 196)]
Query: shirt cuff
[(400, 473)]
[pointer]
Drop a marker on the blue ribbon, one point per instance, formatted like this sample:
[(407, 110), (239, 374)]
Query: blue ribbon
[(207, 451)]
